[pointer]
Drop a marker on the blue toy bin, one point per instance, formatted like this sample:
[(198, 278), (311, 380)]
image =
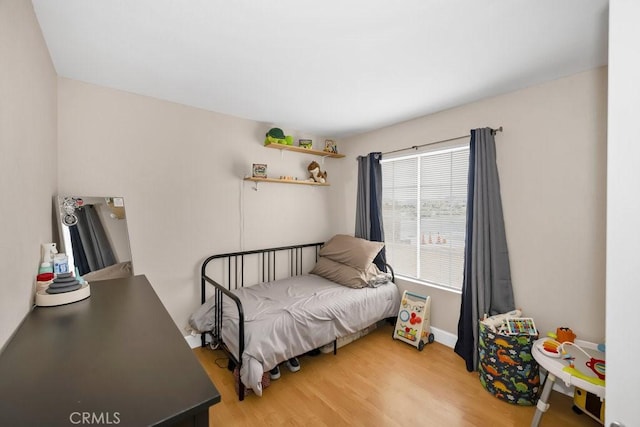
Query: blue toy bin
[(506, 367)]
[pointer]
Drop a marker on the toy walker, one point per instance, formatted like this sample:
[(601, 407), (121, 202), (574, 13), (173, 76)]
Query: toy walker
[(414, 320)]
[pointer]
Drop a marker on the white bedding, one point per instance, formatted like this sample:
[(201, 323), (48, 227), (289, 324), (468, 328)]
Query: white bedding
[(289, 317)]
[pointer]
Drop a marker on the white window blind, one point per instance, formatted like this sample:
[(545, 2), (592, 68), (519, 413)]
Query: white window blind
[(424, 200)]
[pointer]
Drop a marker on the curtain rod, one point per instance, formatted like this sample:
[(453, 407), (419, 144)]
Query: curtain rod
[(415, 147)]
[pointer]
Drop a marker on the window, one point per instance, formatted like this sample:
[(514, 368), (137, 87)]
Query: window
[(424, 206)]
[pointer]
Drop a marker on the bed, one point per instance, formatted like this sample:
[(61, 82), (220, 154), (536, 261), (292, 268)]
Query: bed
[(302, 297)]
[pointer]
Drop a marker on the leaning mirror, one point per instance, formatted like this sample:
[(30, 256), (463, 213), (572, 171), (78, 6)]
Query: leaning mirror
[(94, 236)]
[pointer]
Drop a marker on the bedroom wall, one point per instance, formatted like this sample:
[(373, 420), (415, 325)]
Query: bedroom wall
[(180, 172), (552, 166), (27, 157)]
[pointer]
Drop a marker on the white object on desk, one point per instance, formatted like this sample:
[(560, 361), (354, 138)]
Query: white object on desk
[(44, 299), (555, 369)]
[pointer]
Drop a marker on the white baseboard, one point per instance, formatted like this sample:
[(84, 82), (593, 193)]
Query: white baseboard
[(444, 337)]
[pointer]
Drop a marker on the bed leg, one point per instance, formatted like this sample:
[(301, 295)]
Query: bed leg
[(241, 391), (335, 347)]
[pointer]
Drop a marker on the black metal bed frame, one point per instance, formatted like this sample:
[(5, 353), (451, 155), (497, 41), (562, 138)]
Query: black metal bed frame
[(235, 279)]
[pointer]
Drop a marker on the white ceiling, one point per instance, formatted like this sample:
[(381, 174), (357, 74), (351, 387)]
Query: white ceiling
[(331, 67)]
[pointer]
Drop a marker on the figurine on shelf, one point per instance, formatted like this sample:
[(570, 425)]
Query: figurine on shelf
[(316, 174), (330, 146)]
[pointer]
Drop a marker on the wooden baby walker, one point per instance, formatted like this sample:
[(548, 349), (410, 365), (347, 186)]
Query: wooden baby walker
[(414, 320)]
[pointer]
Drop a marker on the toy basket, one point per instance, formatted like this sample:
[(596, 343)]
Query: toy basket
[(506, 366)]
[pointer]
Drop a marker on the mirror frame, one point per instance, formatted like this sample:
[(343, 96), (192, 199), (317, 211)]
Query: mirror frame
[(111, 208)]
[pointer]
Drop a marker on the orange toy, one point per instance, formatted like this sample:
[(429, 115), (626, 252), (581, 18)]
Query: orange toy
[(564, 335), (551, 347)]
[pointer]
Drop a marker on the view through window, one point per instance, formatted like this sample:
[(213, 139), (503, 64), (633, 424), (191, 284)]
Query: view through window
[(424, 207)]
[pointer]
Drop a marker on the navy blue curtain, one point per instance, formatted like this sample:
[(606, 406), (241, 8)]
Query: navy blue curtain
[(486, 286), (94, 250), (465, 347), (79, 255), (369, 203)]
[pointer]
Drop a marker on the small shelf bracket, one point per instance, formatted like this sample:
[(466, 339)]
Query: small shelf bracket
[(255, 183)]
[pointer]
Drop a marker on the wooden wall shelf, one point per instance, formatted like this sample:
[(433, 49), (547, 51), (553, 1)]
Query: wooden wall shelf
[(285, 181), (304, 150)]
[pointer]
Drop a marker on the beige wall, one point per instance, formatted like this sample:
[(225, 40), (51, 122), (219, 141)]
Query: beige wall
[(180, 172), (552, 165), (27, 157)]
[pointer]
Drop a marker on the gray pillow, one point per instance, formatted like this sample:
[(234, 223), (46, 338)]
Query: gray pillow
[(345, 275), (352, 251)]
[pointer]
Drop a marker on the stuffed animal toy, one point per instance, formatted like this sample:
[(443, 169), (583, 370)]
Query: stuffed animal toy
[(316, 174), (277, 136)]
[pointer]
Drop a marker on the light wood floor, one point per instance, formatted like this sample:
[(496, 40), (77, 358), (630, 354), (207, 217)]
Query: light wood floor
[(376, 381)]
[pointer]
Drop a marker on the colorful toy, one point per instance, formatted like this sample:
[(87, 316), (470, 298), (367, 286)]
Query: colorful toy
[(521, 326), (580, 363), (498, 322), (551, 348), (597, 366), (588, 403), (574, 366), (414, 320), (277, 136)]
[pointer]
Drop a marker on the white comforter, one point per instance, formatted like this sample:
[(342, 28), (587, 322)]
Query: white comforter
[(289, 317)]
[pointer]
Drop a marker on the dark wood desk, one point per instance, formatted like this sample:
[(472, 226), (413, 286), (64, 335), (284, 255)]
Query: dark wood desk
[(115, 358)]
